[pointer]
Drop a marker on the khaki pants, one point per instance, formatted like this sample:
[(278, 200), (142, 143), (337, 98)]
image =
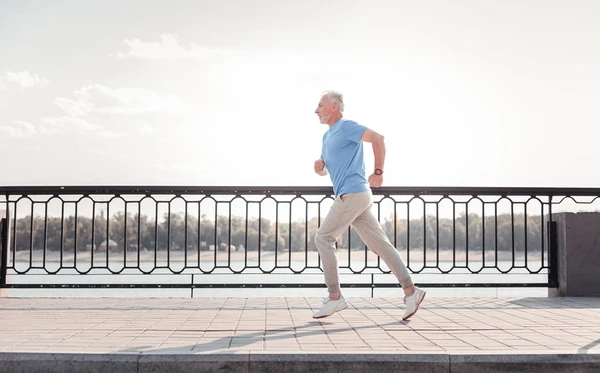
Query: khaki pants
[(355, 209)]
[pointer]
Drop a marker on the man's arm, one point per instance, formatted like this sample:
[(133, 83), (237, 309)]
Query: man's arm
[(378, 144), (320, 168)]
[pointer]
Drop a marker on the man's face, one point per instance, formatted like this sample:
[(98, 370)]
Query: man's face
[(325, 109)]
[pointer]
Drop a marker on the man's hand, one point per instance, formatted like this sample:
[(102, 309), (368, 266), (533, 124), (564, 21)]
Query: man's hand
[(375, 181), (320, 167)]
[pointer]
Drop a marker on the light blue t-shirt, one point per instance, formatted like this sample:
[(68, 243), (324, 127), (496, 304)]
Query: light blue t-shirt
[(342, 151)]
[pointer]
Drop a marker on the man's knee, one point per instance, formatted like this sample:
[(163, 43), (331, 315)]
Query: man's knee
[(322, 241)]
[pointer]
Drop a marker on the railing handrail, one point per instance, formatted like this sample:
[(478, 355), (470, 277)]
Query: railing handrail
[(295, 190)]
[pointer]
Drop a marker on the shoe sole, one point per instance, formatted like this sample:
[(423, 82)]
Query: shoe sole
[(338, 310), (416, 309)]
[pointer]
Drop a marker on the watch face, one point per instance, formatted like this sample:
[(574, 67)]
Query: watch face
[(377, 172)]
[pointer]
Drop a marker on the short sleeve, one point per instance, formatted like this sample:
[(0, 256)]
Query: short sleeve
[(353, 131)]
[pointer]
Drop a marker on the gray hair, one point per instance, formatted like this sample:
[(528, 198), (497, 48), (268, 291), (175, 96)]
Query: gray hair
[(335, 97)]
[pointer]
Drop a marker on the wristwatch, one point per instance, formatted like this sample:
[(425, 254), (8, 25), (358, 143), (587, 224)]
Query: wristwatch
[(378, 171)]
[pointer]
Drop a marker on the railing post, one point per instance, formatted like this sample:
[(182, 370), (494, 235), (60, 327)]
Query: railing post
[(552, 255), (4, 253)]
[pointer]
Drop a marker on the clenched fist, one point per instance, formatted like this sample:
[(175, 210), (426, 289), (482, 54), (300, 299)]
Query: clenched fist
[(375, 181), (320, 167)]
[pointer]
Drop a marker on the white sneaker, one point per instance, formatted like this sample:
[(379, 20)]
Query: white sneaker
[(330, 307), (412, 302)]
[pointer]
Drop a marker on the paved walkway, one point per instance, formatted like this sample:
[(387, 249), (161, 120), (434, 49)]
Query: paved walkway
[(253, 326)]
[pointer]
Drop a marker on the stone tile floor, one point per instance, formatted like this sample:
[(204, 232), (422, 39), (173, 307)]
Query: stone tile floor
[(285, 325)]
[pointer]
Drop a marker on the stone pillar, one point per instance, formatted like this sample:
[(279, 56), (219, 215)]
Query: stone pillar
[(578, 255)]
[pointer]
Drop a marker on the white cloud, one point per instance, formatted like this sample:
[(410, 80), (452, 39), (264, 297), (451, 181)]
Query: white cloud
[(71, 107), (100, 99), (95, 99), (19, 129), (65, 124), (25, 79), (146, 129), (54, 125), (49, 125), (168, 48), (111, 134)]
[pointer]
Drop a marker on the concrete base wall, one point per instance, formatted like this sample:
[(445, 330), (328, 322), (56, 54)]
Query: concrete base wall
[(578, 255)]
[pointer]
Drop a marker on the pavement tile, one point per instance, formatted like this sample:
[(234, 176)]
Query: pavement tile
[(208, 325)]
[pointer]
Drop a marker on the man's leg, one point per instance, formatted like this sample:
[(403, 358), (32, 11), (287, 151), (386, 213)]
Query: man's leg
[(369, 229), (374, 237), (343, 212)]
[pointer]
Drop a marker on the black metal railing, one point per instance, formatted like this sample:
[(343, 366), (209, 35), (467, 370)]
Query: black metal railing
[(211, 236)]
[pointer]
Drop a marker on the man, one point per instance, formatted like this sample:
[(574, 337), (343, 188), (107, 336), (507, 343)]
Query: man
[(342, 159)]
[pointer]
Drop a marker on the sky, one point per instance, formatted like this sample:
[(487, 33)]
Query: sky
[(466, 93)]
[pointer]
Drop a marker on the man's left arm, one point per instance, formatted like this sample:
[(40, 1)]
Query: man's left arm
[(376, 140)]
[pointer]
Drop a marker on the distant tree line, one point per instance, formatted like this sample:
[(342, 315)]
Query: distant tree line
[(172, 230)]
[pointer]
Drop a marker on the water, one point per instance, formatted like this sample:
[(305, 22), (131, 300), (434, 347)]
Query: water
[(223, 276)]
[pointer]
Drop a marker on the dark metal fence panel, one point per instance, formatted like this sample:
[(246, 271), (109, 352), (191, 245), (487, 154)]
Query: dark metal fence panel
[(267, 232)]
